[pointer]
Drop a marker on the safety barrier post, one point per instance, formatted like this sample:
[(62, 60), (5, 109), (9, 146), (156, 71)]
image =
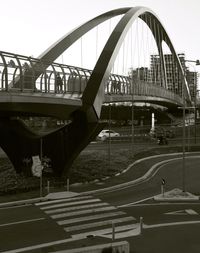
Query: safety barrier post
[(141, 224), (113, 231)]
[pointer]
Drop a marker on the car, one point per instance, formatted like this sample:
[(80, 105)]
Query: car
[(105, 134)]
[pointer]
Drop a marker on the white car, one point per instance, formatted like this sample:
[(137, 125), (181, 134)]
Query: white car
[(105, 134)]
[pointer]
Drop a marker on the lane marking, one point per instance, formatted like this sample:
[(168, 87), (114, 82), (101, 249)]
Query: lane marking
[(191, 212), (71, 204), (99, 224), (170, 224), (62, 200), (183, 212), (95, 210), (67, 209), (11, 207), (20, 222), (133, 232), (146, 177), (92, 217), (105, 231), (136, 202)]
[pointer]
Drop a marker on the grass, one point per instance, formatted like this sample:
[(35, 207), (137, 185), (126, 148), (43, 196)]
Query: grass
[(90, 165)]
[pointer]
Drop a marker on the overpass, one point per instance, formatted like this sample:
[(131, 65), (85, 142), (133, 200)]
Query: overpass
[(32, 87)]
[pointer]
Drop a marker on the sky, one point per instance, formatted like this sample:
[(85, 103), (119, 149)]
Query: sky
[(29, 27)]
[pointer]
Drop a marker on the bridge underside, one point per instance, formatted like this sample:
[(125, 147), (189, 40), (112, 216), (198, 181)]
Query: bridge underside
[(64, 144), (61, 147), (144, 99)]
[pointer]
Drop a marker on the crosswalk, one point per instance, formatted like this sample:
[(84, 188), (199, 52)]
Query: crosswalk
[(83, 216)]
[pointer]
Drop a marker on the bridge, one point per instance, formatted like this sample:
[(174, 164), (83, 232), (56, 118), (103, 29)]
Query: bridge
[(42, 87), (32, 90)]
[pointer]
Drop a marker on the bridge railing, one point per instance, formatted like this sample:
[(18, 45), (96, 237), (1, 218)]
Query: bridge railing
[(20, 73), (123, 85), (28, 74)]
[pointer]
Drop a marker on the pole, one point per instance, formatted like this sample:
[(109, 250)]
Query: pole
[(113, 231), (132, 118), (195, 115), (48, 186), (67, 184), (41, 167), (183, 141), (132, 128), (162, 190), (41, 185), (141, 224), (109, 141)]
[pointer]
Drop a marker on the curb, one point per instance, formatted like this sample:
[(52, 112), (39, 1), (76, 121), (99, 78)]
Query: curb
[(147, 176), (23, 202)]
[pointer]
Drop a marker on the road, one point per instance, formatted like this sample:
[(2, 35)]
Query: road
[(47, 223)]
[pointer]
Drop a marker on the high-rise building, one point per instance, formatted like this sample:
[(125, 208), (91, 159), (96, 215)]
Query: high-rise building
[(173, 76)]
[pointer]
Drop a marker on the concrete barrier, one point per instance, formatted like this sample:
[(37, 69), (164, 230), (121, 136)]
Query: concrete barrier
[(115, 247)]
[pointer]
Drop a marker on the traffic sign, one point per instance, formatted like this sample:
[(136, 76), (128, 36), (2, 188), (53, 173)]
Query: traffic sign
[(163, 181)]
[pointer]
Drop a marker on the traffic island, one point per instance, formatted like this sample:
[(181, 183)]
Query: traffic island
[(176, 195)]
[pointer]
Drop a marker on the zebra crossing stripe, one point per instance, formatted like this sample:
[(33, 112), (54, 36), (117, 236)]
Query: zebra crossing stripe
[(73, 208), (105, 231), (95, 210), (62, 200), (98, 224), (92, 217), (70, 204)]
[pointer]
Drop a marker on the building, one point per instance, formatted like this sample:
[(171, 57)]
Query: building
[(173, 76)]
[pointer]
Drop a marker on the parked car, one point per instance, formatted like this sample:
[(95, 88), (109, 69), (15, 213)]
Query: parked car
[(105, 134)]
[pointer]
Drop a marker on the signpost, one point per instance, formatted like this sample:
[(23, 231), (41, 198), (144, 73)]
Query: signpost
[(163, 187)]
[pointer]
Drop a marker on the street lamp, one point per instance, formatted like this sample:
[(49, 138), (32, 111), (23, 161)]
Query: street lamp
[(197, 62)]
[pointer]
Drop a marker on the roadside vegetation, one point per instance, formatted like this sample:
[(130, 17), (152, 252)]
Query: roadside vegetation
[(89, 166)]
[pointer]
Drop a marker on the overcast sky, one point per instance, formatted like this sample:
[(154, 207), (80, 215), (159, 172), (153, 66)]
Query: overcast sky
[(30, 26)]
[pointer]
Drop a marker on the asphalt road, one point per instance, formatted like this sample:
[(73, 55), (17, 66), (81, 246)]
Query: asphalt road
[(33, 225)]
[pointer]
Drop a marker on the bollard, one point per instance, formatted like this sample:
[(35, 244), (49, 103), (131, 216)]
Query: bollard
[(113, 231), (141, 224)]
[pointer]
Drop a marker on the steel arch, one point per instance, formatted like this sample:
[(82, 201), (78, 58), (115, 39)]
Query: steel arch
[(93, 94), (105, 62)]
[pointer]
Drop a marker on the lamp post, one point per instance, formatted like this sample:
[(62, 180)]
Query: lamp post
[(183, 141), (197, 62), (132, 116)]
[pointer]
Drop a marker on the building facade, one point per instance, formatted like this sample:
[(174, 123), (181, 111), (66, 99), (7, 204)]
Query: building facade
[(157, 71)]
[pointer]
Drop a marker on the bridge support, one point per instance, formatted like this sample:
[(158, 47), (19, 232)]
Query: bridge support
[(60, 147)]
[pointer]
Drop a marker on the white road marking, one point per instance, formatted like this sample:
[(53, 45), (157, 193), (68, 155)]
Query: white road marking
[(191, 212), (12, 207), (62, 200), (95, 210), (136, 202), (104, 231), (183, 212), (71, 203), (73, 208), (99, 224), (20, 222), (133, 232), (170, 224), (87, 218)]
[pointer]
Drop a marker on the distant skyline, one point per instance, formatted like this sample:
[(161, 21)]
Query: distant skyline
[(30, 27)]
